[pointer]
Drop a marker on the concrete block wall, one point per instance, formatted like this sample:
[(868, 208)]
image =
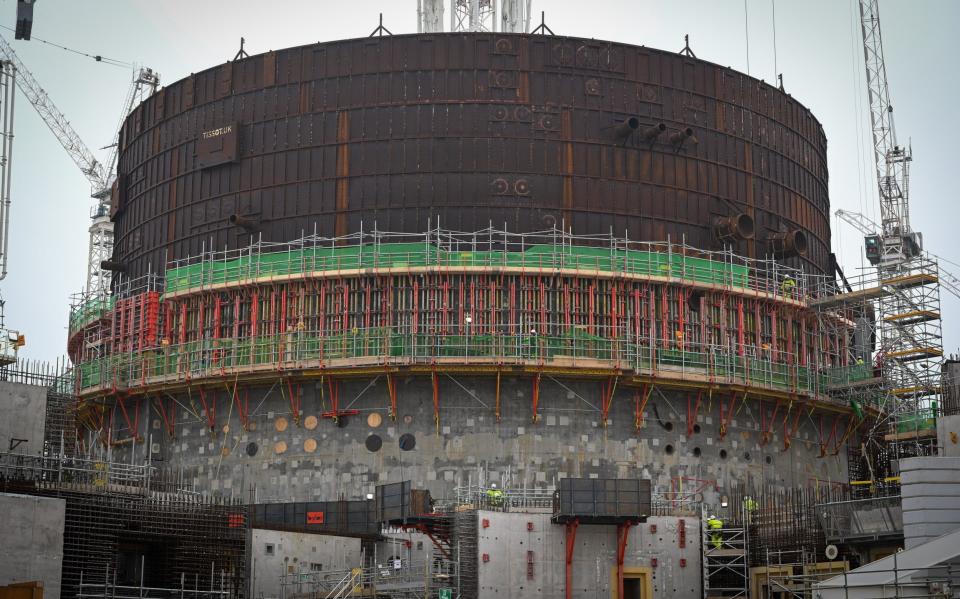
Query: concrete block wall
[(930, 491), (31, 541), (654, 544), (275, 553), (23, 409), (320, 459)]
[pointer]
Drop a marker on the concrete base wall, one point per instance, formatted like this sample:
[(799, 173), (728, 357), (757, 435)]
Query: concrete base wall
[(24, 408), (948, 435), (31, 543), (319, 459), (274, 553), (930, 491), (654, 544)]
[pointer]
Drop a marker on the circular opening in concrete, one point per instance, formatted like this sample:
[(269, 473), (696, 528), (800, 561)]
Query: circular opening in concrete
[(633, 122), (374, 443), (769, 460), (252, 449), (668, 426), (745, 226), (696, 452), (696, 428), (668, 449), (723, 454), (407, 442), (746, 456)]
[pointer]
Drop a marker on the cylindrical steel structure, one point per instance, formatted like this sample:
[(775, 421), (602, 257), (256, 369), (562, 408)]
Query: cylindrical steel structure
[(465, 131)]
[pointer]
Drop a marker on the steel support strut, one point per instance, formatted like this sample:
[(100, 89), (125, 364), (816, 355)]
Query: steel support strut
[(571, 529), (623, 532)]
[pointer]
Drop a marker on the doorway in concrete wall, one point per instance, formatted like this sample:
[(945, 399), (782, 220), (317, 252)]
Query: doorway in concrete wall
[(637, 583)]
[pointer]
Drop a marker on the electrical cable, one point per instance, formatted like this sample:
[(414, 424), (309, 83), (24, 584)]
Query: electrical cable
[(104, 59)]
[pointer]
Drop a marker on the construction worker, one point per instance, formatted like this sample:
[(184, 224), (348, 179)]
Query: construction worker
[(749, 506), (494, 496), (788, 285), (715, 525)]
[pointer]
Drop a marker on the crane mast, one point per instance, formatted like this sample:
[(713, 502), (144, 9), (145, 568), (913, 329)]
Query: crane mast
[(99, 175), (911, 349)]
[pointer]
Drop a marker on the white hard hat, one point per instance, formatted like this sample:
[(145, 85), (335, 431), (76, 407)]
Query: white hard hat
[(493, 485)]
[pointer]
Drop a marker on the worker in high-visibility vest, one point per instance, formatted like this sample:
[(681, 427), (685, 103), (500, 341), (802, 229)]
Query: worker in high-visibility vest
[(494, 496), (715, 525), (749, 506), (788, 286)]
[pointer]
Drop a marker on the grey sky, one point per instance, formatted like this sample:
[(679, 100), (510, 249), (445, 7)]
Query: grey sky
[(817, 50)]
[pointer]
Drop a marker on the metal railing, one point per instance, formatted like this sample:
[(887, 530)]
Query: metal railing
[(395, 347), (395, 576), (505, 500), (861, 519), (77, 473)]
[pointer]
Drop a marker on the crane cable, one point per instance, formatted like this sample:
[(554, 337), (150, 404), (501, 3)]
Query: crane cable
[(103, 59)]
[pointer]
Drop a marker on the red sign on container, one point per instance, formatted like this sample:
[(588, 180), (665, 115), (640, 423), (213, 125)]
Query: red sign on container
[(314, 517)]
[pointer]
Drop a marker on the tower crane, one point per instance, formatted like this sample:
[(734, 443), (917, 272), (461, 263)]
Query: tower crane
[(868, 228), (100, 175), (909, 305)]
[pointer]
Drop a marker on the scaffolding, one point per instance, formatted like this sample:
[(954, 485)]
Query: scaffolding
[(551, 303), (128, 526)]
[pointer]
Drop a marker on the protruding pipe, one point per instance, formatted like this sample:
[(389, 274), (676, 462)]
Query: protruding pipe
[(682, 136), (113, 266), (650, 134), (734, 228), (790, 243), (626, 128), (249, 224)]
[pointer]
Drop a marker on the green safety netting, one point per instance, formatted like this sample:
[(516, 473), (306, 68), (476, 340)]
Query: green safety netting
[(89, 311), (405, 255)]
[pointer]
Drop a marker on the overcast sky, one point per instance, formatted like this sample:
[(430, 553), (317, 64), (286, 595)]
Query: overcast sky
[(817, 49)]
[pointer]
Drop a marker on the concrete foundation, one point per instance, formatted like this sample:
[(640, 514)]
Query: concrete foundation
[(31, 545), (274, 553), (278, 459), (653, 553), (25, 408)]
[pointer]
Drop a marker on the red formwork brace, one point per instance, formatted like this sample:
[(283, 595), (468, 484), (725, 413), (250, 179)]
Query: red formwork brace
[(536, 394), (436, 399), (335, 412), (209, 410), (788, 430), (641, 398), (571, 540), (392, 392), (243, 407), (168, 419), (607, 390), (132, 426), (726, 415), (829, 440), (623, 532), (294, 400)]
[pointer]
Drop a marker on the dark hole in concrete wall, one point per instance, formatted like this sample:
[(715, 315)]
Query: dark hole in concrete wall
[(252, 449), (723, 454), (407, 441), (668, 449), (374, 443), (696, 452)]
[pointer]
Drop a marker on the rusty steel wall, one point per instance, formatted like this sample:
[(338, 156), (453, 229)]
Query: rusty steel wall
[(520, 131)]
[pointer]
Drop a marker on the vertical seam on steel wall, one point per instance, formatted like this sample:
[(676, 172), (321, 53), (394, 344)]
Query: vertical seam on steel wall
[(566, 132), (343, 172)]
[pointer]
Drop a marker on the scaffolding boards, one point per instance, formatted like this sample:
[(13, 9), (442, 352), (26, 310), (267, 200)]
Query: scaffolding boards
[(726, 567)]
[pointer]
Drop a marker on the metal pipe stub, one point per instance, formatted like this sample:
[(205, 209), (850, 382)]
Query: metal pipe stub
[(734, 228)]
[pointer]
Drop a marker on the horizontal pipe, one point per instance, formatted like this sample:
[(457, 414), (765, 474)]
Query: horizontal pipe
[(626, 128), (679, 137), (790, 243), (246, 222), (651, 134), (734, 228), (113, 266)]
